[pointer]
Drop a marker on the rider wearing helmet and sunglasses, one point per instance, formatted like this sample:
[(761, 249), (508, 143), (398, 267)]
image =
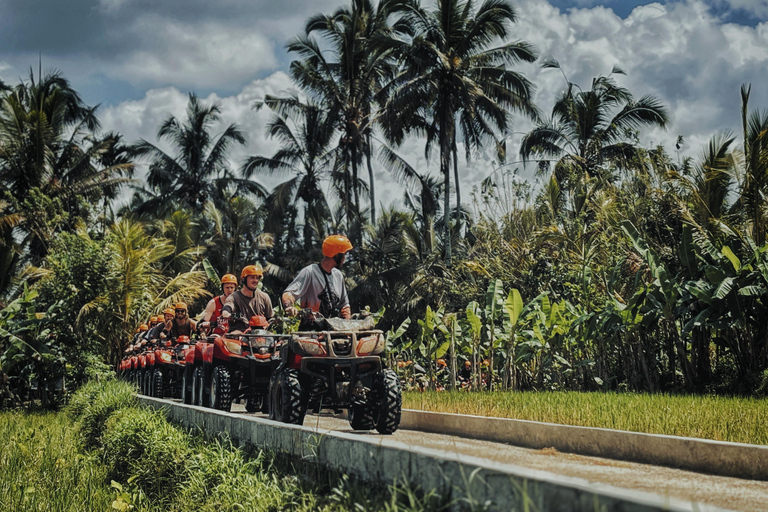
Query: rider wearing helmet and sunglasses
[(180, 325), (320, 286)]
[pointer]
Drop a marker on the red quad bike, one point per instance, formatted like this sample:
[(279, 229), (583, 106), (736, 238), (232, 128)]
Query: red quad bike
[(146, 363), (339, 366), (232, 366), (170, 362)]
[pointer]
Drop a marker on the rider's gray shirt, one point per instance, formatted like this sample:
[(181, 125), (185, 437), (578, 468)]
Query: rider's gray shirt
[(310, 283)]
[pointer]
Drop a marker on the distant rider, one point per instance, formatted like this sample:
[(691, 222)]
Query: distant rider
[(216, 304), (320, 286), (180, 325), (248, 301), (154, 332)]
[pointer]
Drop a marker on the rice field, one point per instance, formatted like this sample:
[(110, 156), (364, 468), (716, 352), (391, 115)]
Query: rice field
[(740, 420)]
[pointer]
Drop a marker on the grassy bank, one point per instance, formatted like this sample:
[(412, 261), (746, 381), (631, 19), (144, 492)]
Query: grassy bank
[(740, 420), (105, 453)]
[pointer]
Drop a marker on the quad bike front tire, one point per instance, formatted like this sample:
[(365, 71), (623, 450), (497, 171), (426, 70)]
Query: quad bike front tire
[(147, 387), (390, 402), (289, 401), (221, 389), (198, 389), (186, 386), (157, 384), (361, 416)]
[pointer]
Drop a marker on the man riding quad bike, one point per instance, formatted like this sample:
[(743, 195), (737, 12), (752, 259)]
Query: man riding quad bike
[(169, 366), (222, 368), (333, 361)]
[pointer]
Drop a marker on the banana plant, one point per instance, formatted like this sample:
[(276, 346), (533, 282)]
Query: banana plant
[(475, 330), (428, 343), (513, 307), (494, 307), (451, 322)]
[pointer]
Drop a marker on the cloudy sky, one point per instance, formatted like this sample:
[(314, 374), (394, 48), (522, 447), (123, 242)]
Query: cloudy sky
[(140, 58)]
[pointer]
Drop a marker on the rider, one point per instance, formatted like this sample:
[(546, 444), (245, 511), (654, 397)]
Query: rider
[(320, 287), (213, 309), (154, 332), (180, 325), (248, 301)]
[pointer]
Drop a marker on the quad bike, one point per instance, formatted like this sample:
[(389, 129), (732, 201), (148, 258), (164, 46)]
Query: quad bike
[(225, 367), (339, 366), (170, 363)]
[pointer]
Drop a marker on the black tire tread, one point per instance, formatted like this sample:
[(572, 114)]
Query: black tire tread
[(157, 384), (390, 402), (223, 400)]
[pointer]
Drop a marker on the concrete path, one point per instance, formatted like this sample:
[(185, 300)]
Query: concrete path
[(717, 491)]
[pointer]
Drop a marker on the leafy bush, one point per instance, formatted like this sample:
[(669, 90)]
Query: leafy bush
[(140, 442), (94, 403)]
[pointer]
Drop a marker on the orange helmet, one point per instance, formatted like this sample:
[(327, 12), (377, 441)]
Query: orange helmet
[(258, 321), (229, 279), (168, 311), (336, 244), (154, 319), (143, 327), (251, 270), (181, 305)]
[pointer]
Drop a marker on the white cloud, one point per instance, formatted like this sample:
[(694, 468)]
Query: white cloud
[(201, 55), (679, 52), (757, 8)]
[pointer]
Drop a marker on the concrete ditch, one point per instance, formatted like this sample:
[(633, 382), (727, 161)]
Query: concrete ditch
[(466, 480), (701, 455)]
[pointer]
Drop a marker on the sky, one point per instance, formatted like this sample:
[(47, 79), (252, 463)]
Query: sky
[(139, 59)]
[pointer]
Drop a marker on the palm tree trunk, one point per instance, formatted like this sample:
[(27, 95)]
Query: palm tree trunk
[(355, 181), (370, 179), (445, 157), (456, 180)]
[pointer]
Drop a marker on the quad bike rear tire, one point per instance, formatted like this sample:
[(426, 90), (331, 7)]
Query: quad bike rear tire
[(390, 402), (221, 389), (157, 384), (289, 401), (361, 416), (186, 386), (198, 389), (148, 382)]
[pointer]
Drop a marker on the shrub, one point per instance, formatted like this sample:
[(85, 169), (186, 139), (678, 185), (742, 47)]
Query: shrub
[(140, 442), (94, 403)]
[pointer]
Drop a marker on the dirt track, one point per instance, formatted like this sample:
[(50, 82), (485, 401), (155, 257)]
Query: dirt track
[(724, 492)]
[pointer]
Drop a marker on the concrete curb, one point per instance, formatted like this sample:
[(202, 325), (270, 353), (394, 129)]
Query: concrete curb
[(702, 455), (464, 479)]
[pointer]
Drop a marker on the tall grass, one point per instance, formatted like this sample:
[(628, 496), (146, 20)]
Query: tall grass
[(105, 453), (741, 420), (42, 468)]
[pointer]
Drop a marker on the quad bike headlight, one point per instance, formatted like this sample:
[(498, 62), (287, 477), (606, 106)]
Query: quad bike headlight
[(166, 357), (372, 344), (311, 346), (234, 346)]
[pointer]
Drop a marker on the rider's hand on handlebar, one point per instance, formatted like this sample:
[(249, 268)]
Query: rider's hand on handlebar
[(204, 325), (226, 314), (162, 335), (291, 311)]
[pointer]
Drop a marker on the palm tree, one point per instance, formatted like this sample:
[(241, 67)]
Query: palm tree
[(199, 171), (48, 152), (452, 73), (345, 78), (588, 131), (306, 134), (754, 170)]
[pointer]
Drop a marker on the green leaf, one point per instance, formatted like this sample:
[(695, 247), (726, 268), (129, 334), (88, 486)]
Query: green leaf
[(473, 318), (731, 257), (210, 271), (493, 298), (514, 306), (725, 288)]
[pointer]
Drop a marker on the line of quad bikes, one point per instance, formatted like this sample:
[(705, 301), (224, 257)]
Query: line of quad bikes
[(338, 366)]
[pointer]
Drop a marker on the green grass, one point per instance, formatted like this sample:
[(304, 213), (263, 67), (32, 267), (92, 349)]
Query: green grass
[(106, 453), (741, 420)]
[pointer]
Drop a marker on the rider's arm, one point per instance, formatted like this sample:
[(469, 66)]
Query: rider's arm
[(268, 307), (229, 306), (210, 309), (192, 324), (346, 311)]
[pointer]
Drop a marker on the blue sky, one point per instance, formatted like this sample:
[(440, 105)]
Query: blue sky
[(140, 58)]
